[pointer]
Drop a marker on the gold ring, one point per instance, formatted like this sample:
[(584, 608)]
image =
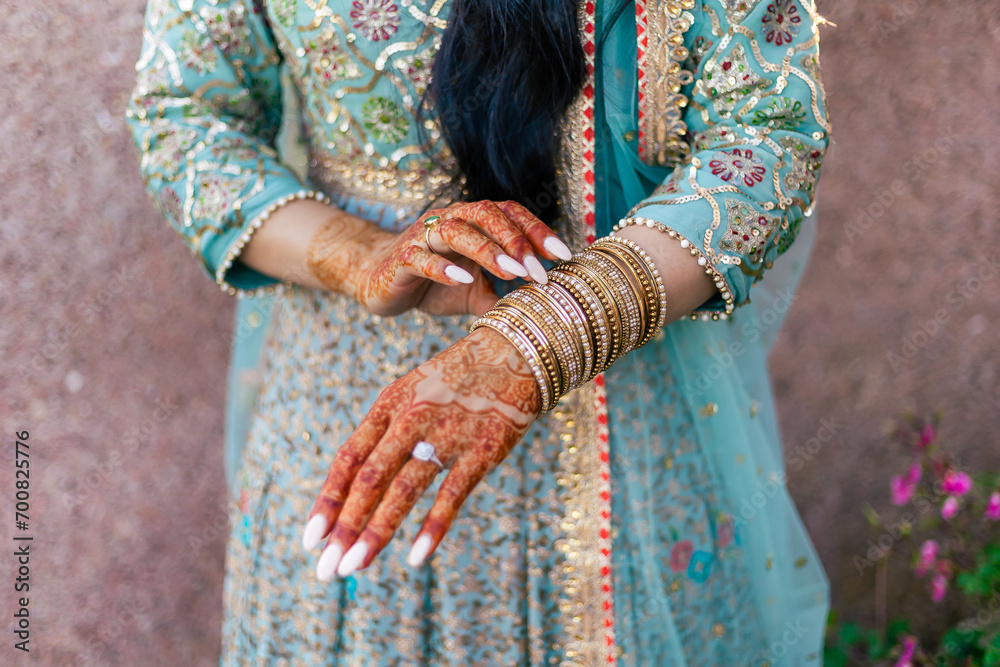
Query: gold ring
[(429, 224)]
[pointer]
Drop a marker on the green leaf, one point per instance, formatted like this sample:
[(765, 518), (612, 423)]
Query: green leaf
[(850, 633)]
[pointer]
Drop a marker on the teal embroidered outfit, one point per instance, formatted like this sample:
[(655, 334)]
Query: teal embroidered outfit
[(704, 117)]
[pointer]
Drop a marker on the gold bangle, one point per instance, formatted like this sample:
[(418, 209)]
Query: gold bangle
[(587, 275), (717, 276), (571, 359), (527, 350), (659, 293), (577, 319), (651, 304), (632, 277), (596, 316), (517, 318), (523, 302), (539, 345), (621, 291)]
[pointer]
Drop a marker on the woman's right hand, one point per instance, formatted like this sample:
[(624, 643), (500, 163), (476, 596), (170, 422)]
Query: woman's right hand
[(391, 273)]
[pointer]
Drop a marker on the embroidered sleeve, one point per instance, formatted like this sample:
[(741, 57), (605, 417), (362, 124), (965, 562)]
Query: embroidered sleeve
[(204, 113), (750, 142)]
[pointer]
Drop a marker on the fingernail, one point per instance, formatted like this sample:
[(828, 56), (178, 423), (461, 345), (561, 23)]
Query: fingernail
[(419, 551), (328, 562), (558, 248), (459, 274), (535, 269), (510, 265), (315, 530), (353, 559)]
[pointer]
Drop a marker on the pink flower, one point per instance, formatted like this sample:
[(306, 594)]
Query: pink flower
[(950, 507), (939, 586), (928, 555), (903, 486), (680, 555), (957, 483), (906, 657), (993, 507), (926, 436)]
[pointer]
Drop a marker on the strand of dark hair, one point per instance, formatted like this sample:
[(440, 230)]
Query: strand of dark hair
[(505, 75)]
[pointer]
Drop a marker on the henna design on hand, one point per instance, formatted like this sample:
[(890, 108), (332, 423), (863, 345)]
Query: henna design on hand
[(473, 402), (390, 273)]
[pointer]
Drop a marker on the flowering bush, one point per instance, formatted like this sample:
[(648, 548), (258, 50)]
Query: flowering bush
[(949, 527)]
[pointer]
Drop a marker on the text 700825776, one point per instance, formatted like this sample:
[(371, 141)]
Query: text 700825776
[(22, 541)]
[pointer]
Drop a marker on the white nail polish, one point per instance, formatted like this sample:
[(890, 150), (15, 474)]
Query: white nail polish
[(419, 551), (315, 531), (459, 274), (558, 248), (535, 269), (328, 562), (353, 559), (510, 265)]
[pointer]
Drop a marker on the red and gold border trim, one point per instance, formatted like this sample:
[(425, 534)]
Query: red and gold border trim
[(660, 27)]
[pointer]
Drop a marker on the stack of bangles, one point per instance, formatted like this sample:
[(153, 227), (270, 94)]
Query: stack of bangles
[(603, 303)]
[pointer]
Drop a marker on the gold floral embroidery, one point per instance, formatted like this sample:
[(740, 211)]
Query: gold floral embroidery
[(749, 230), (728, 79), (737, 10)]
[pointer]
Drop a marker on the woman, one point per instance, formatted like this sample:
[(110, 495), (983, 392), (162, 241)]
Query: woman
[(620, 481)]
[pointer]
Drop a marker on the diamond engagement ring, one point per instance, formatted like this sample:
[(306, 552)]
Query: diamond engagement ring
[(424, 451)]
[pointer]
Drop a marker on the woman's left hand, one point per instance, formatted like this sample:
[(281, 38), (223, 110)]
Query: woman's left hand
[(473, 403)]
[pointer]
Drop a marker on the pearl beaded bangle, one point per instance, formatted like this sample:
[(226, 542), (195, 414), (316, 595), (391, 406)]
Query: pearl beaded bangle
[(237, 247)]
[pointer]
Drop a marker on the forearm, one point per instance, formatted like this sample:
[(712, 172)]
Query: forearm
[(280, 248), (686, 283)]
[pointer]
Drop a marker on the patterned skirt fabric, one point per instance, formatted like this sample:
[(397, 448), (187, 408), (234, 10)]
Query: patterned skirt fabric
[(494, 592)]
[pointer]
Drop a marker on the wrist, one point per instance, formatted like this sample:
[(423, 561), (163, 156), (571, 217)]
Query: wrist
[(606, 301), (512, 359), (342, 252)]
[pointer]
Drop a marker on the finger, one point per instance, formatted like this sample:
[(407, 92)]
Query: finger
[(538, 233), (413, 479), (348, 460), (467, 240), (367, 489), (462, 478), (420, 262), (488, 217), (494, 223)]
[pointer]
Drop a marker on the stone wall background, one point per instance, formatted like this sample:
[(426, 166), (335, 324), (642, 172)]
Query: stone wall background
[(100, 299)]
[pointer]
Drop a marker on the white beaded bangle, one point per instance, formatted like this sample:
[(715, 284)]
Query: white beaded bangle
[(237, 247)]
